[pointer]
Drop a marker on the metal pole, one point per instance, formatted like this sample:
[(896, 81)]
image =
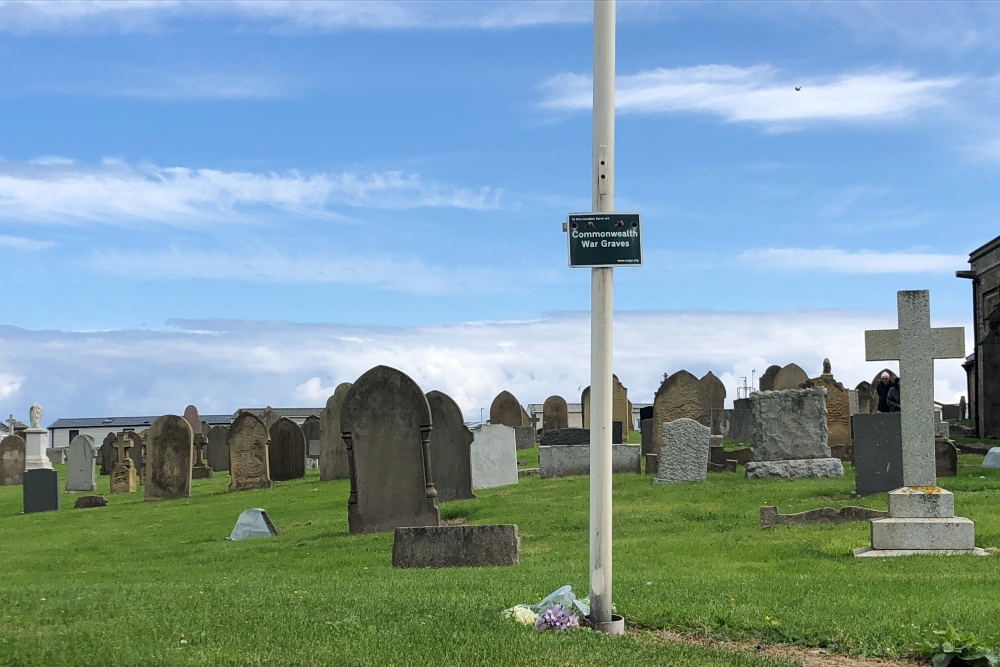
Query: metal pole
[(601, 316)]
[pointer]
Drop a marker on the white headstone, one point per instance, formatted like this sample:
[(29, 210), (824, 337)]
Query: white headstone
[(80, 472), (253, 523), (494, 456), (992, 459)]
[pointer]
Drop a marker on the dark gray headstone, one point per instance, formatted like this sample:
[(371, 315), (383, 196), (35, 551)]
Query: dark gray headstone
[(218, 448), (646, 428), (333, 451), (945, 458), (12, 459), (732, 424), (766, 382), (169, 453), (646, 412), (287, 451), (456, 546), (41, 490), (524, 437), (310, 431), (386, 424), (566, 436), (878, 453), (107, 455), (555, 413), (616, 433), (451, 443)]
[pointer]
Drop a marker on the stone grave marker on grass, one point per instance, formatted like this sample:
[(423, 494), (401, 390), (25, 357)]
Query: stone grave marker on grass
[(106, 453), (684, 452), (451, 445), (333, 451), (218, 449), (11, 460), (123, 474), (169, 452), (40, 490), (790, 436), (494, 456), (80, 472), (310, 431), (199, 469), (506, 410), (248, 464), (680, 395), (921, 514), (555, 413), (253, 523), (287, 451), (386, 425)]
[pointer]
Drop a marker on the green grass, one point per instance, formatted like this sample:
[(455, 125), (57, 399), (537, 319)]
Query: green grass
[(157, 584), (976, 441)]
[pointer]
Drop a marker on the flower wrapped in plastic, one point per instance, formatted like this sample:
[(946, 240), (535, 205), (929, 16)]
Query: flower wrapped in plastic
[(559, 610), (557, 618)]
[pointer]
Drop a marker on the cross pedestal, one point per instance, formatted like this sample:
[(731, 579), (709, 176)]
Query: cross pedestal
[(35, 442), (200, 469), (921, 515), (123, 474)]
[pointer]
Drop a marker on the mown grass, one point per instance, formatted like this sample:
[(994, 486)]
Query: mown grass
[(157, 584)]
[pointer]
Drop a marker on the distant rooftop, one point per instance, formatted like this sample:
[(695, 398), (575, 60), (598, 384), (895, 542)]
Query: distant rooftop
[(128, 422), (282, 412)]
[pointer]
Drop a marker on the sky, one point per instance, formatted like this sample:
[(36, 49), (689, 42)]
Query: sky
[(236, 204)]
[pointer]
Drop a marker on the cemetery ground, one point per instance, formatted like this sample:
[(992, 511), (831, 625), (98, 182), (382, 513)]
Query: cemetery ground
[(149, 584)]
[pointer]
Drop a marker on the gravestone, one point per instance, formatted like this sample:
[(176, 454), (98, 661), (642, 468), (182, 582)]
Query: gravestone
[(989, 396), (11, 460), (790, 436), (90, 502), (555, 413), (169, 452), (617, 433), (333, 451), (992, 459), (252, 523), (683, 453), (494, 456), (585, 408), (766, 382), (621, 407), (248, 465), (40, 490), (218, 448), (138, 456), (310, 432), (921, 514), (732, 424), (962, 409), (80, 470), (270, 417), (789, 377), (863, 397), (192, 417), (506, 410), (123, 474), (646, 429), (199, 469), (716, 391), (878, 453), (286, 451), (945, 458), (838, 408), (451, 449), (106, 454), (565, 436), (566, 460), (680, 396), (386, 424), (524, 437)]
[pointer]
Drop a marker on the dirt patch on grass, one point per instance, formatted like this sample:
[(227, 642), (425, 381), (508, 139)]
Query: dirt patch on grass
[(807, 657)]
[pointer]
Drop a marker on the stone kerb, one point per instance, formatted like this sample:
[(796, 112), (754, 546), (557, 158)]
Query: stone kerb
[(569, 460), (684, 452), (456, 546)]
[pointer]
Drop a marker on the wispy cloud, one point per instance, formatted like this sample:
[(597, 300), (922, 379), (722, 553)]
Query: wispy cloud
[(758, 94), (130, 16), (179, 86), (21, 243), (115, 192), (835, 260)]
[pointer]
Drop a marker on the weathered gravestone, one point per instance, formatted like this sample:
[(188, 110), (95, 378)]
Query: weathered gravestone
[(106, 453), (169, 452), (248, 465), (863, 397), (838, 408), (555, 413), (790, 377), (680, 396), (567, 460), (732, 424), (286, 451), (506, 410), (646, 430), (80, 471), (494, 456), (269, 416), (199, 469), (333, 451), (123, 474), (683, 453), (524, 437), (716, 391), (921, 514), (386, 424), (310, 432), (766, 382), (621, 407), (218, 448), (40, 490), (945, 458), (451, 449), (456, 546), (789, 435), (11, 460)]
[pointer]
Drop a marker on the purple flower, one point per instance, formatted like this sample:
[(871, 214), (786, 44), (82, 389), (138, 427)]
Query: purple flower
[(557, 618)]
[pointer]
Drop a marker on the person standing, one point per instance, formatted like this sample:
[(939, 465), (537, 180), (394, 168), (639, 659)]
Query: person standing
[(883, 388), (892, 397)]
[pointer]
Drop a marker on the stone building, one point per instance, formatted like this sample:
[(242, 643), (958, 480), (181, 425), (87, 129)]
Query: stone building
[(983, 366)]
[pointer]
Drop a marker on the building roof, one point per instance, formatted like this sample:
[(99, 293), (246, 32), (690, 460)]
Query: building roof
[(576, 407), (282, 412), (984, 249), (127, 422)]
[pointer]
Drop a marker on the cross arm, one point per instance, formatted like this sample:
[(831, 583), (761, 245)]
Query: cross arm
[(949, 342), (882, 345)]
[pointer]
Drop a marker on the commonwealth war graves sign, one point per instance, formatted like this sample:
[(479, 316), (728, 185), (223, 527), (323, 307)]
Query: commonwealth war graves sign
[(604, 239)]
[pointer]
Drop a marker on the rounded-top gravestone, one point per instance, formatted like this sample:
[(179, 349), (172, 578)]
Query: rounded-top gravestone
[(248, 462), (790, 377), (716, 391), (680, 396), (80, 471), (451, 443), (506, 410), (555, 413), (169, 452), (766, 382), (12, 459), (287, 451), (333, 451)]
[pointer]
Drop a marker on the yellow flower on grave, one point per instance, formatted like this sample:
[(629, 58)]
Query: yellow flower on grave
[(767, 618), (774, 622)]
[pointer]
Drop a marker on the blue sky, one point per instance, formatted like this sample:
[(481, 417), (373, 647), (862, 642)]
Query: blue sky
[(235, 204)]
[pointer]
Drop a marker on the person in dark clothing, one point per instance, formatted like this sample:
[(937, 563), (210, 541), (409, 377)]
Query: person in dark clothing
[(892, 397), (883, 388)]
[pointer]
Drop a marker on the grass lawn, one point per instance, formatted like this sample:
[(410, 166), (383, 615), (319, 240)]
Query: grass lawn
[(157, 584)]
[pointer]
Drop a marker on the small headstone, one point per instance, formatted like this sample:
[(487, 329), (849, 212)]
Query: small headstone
[(40, 490), (218, 448), (123, 475), (524, 437), (106, 454), (963, 409), (451, 449), (11, 460), (287, 451), (878, 453), (80, 470), (945, 458), (646, 429), (333, 451), (766, 382), (863, 398), (992, 459), (732, 424), (680, 396), (555, 413), (621, 407), (616, 432), (200, 469), (386, 424), (838, 408), (494, 456), (310, 432), (192, 417), (169, 452), (87, 502), (506, 410), (565, 436), (567, 460), (248, 464), (716, 391), (683, 453), (57, 455), (456, 546), (253, 523), (790, 377)]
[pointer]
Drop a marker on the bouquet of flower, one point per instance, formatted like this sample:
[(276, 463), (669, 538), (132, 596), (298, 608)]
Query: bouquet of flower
[(560, 610)]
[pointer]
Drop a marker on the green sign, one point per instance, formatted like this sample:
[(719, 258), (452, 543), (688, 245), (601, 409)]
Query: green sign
[(604, 239)]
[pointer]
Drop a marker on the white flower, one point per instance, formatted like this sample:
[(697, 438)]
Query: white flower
[(524, 615)]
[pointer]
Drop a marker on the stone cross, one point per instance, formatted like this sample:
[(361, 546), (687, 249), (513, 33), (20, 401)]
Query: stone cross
[(916, 345), (123, 442), (11, 422)]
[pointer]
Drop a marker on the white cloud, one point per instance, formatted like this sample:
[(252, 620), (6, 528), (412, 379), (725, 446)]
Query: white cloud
[(9, 385), (115, 192), (126, 16), (223, 365), (21, 243), (835, 260), (758, 94), (179, 86)]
